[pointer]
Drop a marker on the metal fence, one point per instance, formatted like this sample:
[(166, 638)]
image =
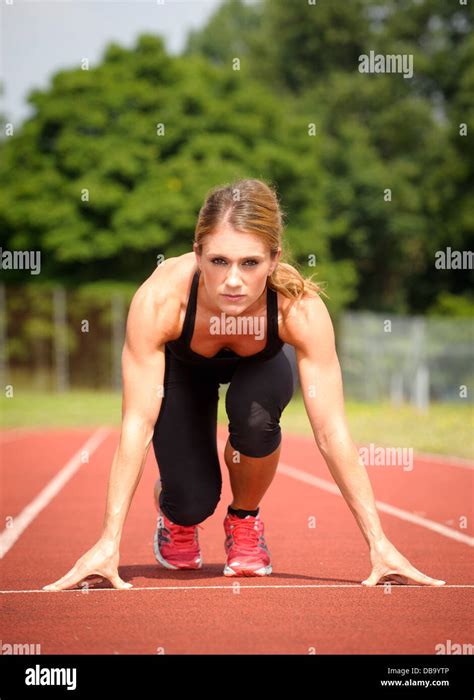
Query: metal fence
[(415, 359), (54, 339)]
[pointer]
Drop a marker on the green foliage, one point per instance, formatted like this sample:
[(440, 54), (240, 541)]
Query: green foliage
[(453, 306), (91, 182), (376, 133), (113, 168)]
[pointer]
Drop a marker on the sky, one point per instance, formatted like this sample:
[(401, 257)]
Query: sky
[(39, 37)]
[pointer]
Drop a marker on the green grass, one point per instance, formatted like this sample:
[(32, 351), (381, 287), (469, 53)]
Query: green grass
[(444, 429), (76, 408)]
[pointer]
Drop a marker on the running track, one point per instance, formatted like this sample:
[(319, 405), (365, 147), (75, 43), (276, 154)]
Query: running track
[(312, 603)]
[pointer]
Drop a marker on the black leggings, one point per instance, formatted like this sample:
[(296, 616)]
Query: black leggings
[(184, 439)]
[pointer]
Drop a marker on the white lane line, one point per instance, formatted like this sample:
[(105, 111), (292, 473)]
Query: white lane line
[(20, 522), (230, 586), (384, 507), (405, 515)]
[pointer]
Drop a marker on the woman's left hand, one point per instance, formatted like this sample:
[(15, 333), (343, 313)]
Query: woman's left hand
[(387, 563)]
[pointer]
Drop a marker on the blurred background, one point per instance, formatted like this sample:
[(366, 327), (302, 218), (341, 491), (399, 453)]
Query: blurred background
[(119, 117)]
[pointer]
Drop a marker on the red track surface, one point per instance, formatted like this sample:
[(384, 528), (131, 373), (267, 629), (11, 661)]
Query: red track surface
[(312, 603)]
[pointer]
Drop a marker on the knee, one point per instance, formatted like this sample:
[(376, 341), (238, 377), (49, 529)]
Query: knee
[(191, 511), (257, 435)]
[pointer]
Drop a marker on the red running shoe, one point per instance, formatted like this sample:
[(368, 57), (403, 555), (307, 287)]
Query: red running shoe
[(247, 553), (176, 546)]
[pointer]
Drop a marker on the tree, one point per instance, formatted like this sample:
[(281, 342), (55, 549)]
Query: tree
[(114, 166)]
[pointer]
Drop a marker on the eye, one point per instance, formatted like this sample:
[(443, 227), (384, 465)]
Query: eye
[(217, 261)]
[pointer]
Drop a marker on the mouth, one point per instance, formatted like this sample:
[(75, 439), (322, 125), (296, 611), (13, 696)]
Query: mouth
[(233, 297)]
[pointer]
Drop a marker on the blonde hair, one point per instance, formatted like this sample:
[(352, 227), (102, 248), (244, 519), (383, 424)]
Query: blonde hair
[(252, 206)]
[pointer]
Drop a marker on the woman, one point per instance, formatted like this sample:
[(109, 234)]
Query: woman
[(199, 321)]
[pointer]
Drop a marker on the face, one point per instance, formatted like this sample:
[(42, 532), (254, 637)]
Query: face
[(235, 267)]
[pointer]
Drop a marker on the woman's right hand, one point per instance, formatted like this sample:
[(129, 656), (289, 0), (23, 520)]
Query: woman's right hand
[(101, 560)]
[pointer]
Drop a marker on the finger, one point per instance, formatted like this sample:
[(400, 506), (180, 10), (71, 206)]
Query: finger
[(373, 579), (117, 582), (402, 578), (418, 577), (72, 578)]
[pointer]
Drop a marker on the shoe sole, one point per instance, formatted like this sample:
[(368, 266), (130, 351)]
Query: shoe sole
[(167, 564), (264, 571)]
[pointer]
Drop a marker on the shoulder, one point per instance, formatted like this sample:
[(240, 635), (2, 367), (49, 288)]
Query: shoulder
[(156, 306), (305, 322)]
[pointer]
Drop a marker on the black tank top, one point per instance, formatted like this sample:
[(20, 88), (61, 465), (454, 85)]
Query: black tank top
[(181, 349)]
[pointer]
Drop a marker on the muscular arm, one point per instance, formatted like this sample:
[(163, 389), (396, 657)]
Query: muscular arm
[(309, 329), (321, 382), (152, 316), (143, 365)]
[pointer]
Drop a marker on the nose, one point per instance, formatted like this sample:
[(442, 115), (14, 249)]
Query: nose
[(233, 280)]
